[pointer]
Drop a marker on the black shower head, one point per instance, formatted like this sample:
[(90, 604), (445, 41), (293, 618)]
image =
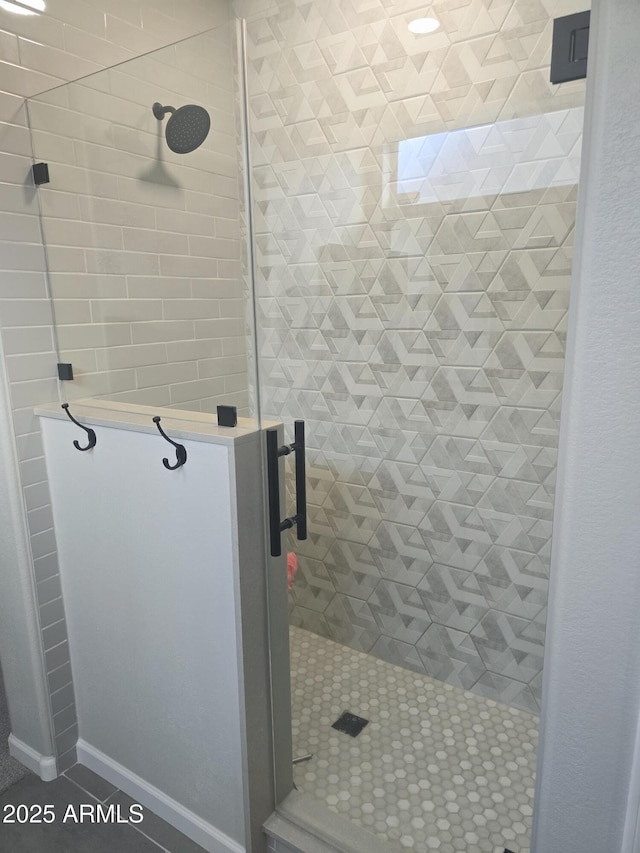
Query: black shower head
[(187, 128)]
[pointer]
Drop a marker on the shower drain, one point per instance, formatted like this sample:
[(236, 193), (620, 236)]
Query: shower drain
[(350, 724)]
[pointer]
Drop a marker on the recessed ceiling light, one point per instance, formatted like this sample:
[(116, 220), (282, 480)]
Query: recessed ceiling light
[(424, 25), (23, 7)]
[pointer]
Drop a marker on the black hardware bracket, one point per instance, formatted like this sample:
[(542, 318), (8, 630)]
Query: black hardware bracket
[(227, 416), (65, 371), (40, 172), (570, 47), (181, 451), (299, 520), (90, 433)]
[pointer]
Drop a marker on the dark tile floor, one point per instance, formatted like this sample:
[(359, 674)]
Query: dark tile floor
[(76, 787)]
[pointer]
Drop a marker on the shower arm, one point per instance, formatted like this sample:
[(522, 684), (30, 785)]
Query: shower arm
[(160, 112)]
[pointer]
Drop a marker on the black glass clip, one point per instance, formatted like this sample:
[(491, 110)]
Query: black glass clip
[(90, 433), (40, 173), (181, 451), (65, 371), (227, 416)]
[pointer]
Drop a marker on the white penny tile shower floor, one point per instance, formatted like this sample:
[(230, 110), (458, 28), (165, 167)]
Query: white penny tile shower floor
[(436, 768)]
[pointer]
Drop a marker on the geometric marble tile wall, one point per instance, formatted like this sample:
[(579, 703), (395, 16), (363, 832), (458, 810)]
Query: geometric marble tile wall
[(143, 244), (414, 215)]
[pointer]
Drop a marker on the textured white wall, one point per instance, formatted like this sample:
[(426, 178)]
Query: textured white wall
[(591, 695)]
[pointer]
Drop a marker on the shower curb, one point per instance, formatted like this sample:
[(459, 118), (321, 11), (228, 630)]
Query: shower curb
[(308, 826)]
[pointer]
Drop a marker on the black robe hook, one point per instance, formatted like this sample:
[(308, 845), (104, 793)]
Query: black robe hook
[(181, 451), (90, 433)]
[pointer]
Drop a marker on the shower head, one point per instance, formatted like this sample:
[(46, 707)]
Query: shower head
[(187, 128)]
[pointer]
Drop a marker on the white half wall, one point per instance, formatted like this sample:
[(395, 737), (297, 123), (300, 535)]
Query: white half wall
[(158, 569), (591, 696)]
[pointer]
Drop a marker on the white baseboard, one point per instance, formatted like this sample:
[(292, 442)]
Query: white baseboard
[(45, 766), (190, 824)]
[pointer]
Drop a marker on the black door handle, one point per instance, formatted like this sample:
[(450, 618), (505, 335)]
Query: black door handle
[(299, 520)]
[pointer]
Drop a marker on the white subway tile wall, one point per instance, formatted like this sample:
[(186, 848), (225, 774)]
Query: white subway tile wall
[(73, 38), (136, 235)]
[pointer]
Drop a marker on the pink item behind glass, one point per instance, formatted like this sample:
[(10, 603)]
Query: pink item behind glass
[(292, 568)]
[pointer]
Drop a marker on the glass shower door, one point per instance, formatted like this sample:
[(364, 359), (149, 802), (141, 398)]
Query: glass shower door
[(414, 206)]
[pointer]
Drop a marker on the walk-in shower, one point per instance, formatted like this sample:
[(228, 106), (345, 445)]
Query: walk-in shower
[(407, 261)]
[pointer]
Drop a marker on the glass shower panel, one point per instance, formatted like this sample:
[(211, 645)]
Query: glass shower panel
[(414, 207), (144, 242)]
